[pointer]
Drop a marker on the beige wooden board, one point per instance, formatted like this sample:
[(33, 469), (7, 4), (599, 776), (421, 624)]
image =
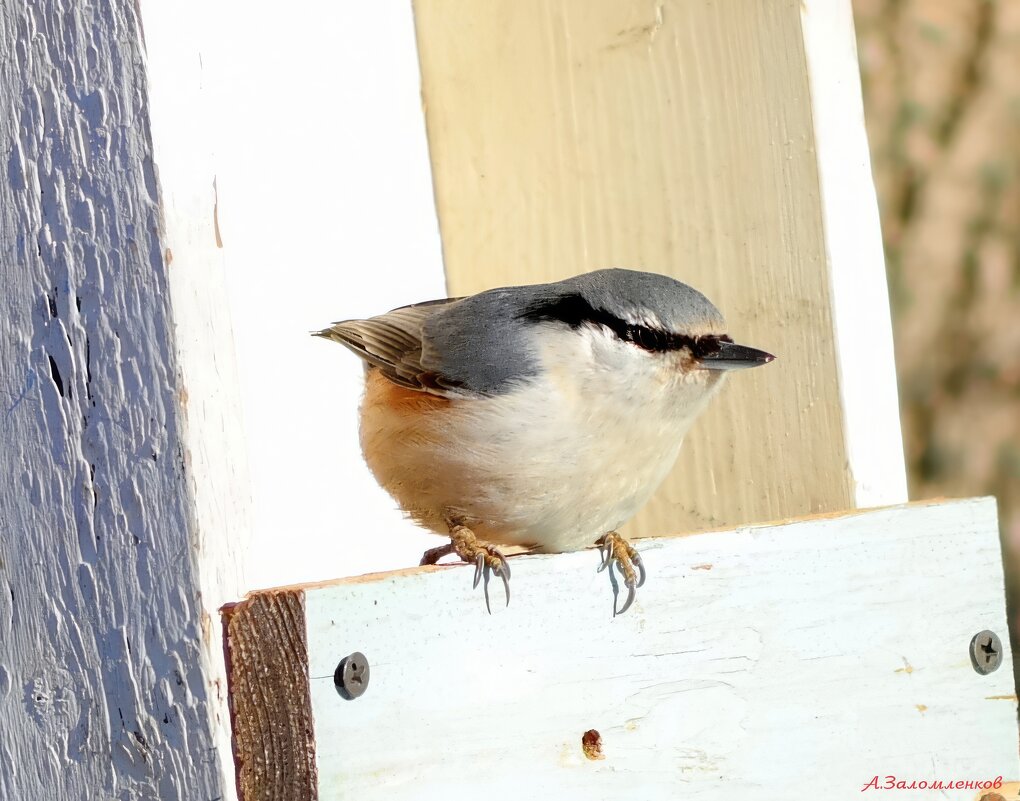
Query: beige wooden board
[(676, 137), (755, 663)]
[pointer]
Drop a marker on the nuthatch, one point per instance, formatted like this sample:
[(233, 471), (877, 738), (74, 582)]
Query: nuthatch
[(539, 416)]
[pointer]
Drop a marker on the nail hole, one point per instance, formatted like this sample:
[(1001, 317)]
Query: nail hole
[(591, 744)]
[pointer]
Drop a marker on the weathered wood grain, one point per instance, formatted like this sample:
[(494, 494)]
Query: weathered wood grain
[(267, 659)]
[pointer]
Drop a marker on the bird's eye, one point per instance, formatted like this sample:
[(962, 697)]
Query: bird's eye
[(704, 346), (709, 345), (647, 338)]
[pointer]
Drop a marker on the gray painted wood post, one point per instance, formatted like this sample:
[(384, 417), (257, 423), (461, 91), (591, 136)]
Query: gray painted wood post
[(110, 558)]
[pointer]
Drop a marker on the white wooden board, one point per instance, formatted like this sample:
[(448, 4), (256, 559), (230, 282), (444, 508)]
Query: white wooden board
[(861, 319), (755, 664)]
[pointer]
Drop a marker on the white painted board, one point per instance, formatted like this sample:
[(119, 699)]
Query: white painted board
[(763, 663), (861, 319)]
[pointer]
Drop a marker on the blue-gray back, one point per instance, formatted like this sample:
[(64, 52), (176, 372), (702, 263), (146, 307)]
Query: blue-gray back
[(482, 344)]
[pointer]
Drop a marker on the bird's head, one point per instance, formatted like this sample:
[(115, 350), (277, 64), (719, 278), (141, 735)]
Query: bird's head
[(641, 333)]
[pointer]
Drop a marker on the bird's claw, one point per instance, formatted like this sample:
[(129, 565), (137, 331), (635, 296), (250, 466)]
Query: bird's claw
[(636, 560), (615, 549), (487, 559), (631, 593), (490, 560), (479, 570), (606, 552)]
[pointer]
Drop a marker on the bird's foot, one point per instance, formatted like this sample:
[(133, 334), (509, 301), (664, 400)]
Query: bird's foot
[(615, 549), (486, 558)]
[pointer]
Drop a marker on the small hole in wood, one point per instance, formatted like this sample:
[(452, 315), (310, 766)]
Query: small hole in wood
[(591, 744)]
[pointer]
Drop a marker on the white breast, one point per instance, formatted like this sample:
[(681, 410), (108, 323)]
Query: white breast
[(554, 464)]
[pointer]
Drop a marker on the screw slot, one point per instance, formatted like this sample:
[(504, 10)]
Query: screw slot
[(351, 676), (985, 652)]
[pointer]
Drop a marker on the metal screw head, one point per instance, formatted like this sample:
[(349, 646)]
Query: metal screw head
[(351, 676), (985, 652)]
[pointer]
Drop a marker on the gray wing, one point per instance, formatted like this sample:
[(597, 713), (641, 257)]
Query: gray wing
[(393, 343), (477, 345)]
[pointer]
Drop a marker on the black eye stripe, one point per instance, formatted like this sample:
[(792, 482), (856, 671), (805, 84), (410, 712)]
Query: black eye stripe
[(648, 338), (575, 311), (652, 339)]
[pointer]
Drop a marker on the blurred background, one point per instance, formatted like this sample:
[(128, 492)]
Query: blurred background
[(941, 85)]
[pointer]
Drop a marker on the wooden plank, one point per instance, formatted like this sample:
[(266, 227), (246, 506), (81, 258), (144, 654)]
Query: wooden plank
[(679, 137), (815, 653), (267, 673), (182, 121), (119, 509), (861, 320)]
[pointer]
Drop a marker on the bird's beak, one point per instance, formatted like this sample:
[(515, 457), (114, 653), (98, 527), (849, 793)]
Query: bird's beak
[(732, 356)]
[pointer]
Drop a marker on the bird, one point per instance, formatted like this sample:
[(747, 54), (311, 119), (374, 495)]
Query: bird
[(542, 416)]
